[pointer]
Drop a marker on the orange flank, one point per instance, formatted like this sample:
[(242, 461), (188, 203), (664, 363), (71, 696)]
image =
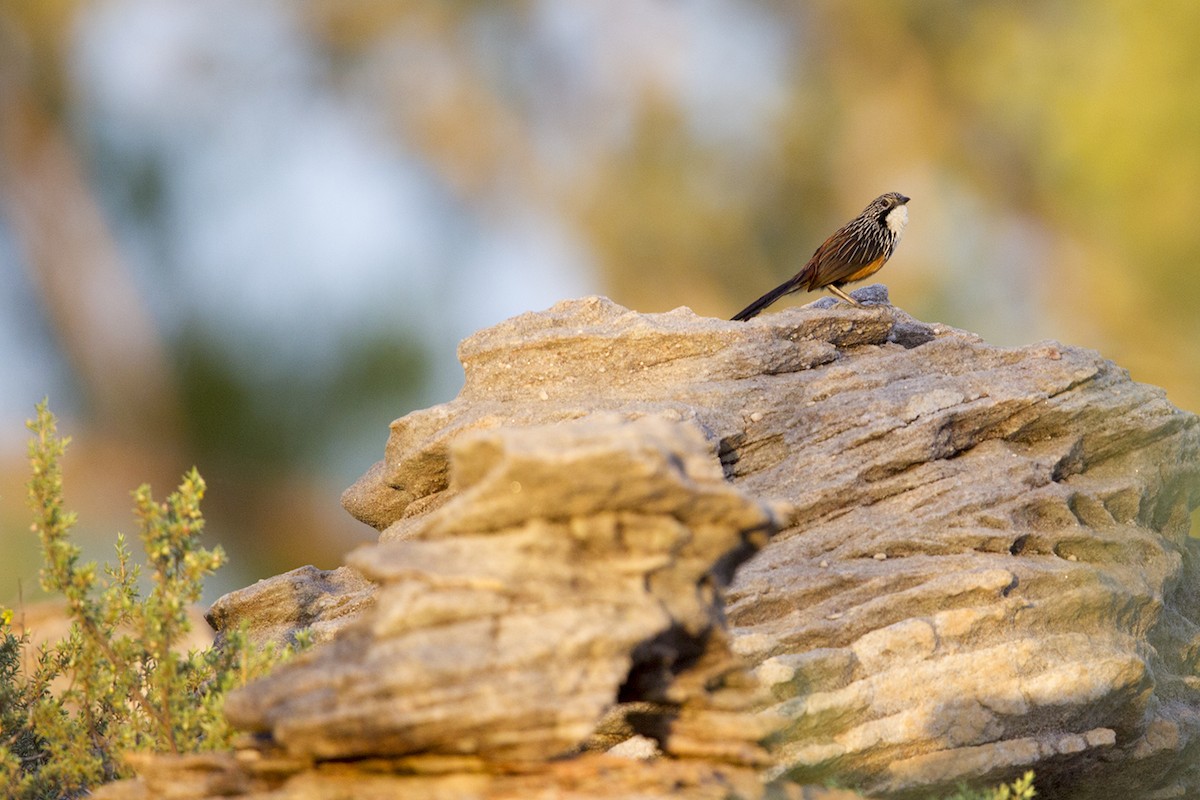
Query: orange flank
[(868, 270)]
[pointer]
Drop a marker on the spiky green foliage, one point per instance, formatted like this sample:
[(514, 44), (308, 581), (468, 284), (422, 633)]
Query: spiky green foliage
[(1020, 789), (125, 683)]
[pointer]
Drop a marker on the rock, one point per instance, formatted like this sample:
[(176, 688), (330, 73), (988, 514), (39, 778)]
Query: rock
[(984, 567), (320, 601), (1037, 605), (511, 634), (587, 777), (506, 624)]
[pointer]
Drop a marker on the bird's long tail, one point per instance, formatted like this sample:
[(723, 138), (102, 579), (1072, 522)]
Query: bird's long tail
[(787, 287)]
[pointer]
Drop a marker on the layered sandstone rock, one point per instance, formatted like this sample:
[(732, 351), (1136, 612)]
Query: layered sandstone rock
[(577, 565), (984, 563), (986, 566), (567, 599)]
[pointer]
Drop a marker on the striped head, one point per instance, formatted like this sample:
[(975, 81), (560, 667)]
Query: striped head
[(889, 211)]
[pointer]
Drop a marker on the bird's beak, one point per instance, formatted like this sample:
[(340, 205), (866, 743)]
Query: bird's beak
[(903, 200)]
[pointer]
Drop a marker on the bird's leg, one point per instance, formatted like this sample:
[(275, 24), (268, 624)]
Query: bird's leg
[(843, 295)]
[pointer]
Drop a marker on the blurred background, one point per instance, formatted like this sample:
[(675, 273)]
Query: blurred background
[(247, 236)]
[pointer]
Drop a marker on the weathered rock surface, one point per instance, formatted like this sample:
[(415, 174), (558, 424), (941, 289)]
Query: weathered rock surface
[(505, 630), (319, 601), (249, 774), (510, 632), (984, 565)]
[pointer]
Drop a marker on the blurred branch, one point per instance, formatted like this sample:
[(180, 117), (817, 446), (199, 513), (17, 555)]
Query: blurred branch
[(90, 299)]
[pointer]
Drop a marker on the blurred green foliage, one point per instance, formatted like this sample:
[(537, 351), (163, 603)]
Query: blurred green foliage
[(1020, 789), (118, 682), (244, 423)]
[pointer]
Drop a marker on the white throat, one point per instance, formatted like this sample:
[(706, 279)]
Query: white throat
[(896, 219)]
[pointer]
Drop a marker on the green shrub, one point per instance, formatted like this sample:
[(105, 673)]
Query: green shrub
[(125, 684), (1020, 789)]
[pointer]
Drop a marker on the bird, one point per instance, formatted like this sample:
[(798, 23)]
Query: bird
[(855, 251)]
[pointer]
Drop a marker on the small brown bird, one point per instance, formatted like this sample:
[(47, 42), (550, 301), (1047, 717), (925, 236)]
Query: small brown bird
[(855, 251)]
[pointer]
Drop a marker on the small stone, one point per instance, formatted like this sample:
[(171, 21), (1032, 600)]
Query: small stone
[(641, 748)]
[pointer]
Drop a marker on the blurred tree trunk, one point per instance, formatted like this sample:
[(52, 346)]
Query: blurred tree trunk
[(87, 292)]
